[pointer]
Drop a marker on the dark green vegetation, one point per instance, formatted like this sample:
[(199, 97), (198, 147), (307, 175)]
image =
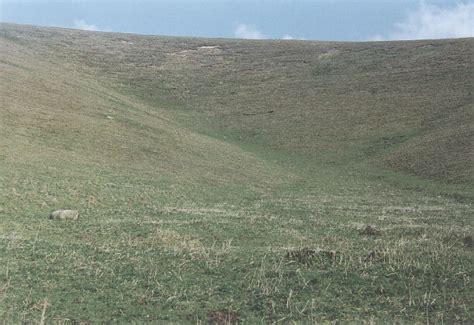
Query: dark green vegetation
[(233, 180)]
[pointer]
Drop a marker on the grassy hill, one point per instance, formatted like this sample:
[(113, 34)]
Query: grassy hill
[(232, 178)]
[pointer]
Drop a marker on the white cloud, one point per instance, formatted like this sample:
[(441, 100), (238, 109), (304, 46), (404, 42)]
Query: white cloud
[(433, 22), (248, 32), (81, 24)]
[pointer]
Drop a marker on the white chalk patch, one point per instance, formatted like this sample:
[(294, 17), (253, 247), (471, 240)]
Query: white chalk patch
[(208, 47)]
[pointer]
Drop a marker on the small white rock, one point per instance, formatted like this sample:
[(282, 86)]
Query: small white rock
[(63, 214)]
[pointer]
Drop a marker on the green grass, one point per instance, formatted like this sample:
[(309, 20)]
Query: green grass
[(237, 179)]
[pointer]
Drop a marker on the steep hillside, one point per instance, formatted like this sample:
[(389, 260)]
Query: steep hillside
[(54, 112), (407, 106), (254, 181)]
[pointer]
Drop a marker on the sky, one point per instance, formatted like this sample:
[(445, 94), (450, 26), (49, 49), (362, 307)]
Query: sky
[(338, 20)]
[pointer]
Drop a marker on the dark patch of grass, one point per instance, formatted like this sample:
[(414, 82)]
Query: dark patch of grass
[(223, 317)]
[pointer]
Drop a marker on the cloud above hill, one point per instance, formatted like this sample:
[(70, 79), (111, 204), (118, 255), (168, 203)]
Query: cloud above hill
[(248, 32), (433, 22), (81, 24), (251, 32)]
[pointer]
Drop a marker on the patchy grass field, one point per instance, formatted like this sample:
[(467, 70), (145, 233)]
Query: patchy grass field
[(226, 181)]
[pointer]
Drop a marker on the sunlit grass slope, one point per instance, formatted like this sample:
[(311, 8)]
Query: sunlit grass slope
[(231, 179), (409, 102)]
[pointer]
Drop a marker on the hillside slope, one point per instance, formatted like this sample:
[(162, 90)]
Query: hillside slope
[(409, 105), (56, 113)]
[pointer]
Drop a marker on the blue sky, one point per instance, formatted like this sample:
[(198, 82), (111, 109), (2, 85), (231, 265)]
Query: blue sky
[(344, 20)]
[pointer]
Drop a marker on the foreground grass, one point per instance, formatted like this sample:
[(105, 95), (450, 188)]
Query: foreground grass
[(138, 254)]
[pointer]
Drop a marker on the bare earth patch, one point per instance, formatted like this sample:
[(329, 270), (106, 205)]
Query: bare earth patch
[(223, 317)]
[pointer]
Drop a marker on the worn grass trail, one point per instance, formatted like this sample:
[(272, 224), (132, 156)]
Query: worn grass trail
[(234, 181)]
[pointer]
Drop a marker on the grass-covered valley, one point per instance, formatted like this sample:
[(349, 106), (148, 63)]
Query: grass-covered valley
[(233, 180)]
